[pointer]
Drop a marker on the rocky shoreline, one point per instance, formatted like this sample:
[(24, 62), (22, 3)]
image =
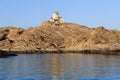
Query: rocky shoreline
[(4, 54), (65, 38)]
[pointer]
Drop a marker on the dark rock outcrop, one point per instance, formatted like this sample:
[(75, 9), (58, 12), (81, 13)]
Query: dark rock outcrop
[(5, 54)]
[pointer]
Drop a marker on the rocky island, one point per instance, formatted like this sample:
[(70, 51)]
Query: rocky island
[(58, 36)]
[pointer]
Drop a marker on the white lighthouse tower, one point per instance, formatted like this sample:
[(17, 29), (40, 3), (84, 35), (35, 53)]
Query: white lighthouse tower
[(55, 15)]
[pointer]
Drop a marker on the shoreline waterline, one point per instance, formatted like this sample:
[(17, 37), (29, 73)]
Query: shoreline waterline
[(15, 53)]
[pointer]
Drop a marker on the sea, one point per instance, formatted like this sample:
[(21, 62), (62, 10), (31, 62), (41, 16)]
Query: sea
[(67, 66)]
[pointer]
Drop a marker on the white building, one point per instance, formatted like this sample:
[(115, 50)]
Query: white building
[(56, 19)]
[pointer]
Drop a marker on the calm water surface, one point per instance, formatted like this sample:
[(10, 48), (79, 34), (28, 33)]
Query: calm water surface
[(60, 67)]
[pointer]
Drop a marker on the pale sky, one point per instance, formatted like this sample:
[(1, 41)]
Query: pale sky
[(91, 13)]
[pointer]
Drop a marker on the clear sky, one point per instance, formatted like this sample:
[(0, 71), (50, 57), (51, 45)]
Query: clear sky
[(91, 13)]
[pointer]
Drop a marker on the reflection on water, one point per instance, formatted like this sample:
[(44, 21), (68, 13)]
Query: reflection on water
[(60, 67)]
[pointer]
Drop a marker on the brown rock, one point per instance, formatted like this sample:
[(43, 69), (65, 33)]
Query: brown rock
[(67, 36)]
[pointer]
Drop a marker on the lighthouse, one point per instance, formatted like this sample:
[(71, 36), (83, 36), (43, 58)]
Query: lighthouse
[(56, 19)]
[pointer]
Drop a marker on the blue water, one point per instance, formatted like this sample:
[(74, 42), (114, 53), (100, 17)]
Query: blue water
[(60, 67)]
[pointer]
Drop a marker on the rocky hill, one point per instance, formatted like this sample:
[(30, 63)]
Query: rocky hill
[(67, 36)]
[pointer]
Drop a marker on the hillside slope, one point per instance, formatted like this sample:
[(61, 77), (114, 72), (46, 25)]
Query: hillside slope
[(68, 36)]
